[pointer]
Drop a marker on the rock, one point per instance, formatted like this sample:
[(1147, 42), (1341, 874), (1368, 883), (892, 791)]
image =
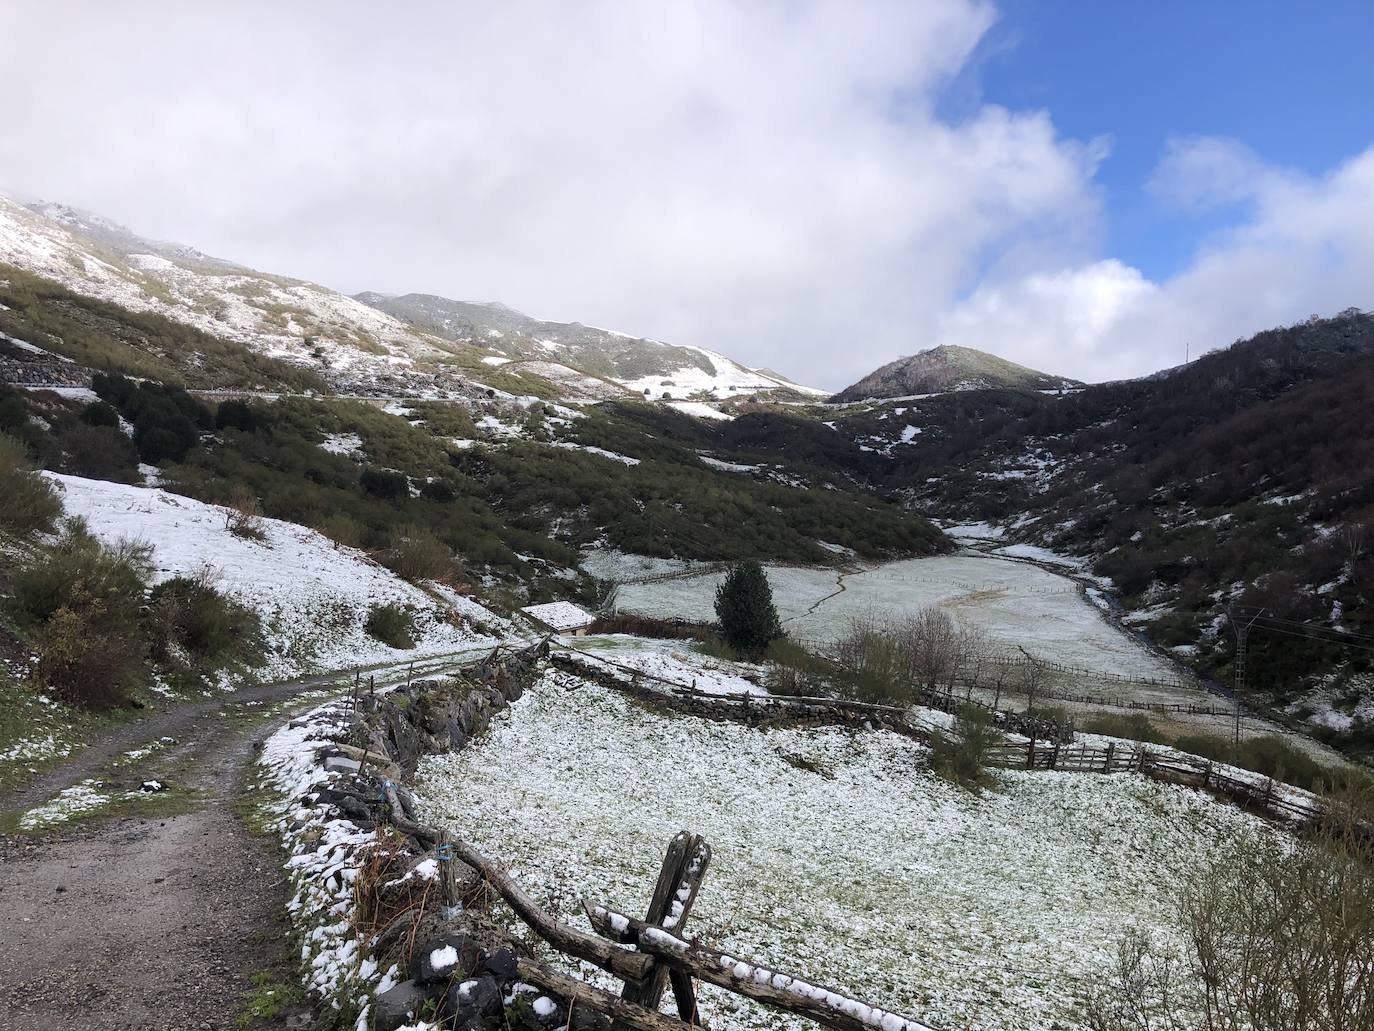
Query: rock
[(471, 1001), (440, 960), (501, 963), (401, 1005), (341, 764), (149, 787)]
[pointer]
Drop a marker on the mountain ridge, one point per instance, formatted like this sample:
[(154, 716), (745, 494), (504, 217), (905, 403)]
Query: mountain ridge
[(945, 368)]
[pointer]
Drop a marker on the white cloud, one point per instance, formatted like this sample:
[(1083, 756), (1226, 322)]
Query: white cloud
[(767, 179), (1303, 245)]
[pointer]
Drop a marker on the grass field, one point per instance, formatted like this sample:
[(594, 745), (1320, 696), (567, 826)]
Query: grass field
[(836, 854)]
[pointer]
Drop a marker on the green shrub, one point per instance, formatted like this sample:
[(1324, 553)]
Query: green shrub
[(416, 554), (391, 624), (1207, 746), (98, 452), (197, 626), (30, 502), (1134, 726), (385, 483), (744, 605), (872, 665), (1275, 757), (80, 603), (100, 413), (961, 755)]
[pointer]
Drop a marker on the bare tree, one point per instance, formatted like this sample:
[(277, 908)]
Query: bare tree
[(975, 647), (1034, 678)]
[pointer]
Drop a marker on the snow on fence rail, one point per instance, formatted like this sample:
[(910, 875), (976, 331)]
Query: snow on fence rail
[(1254, 791)]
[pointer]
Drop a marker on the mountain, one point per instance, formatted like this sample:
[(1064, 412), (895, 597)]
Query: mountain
[(1241, 478), (634, 364), (946, 368), (412, 345)]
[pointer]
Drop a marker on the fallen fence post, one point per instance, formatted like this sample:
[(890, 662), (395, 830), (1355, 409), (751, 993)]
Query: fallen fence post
[(826, 1006)]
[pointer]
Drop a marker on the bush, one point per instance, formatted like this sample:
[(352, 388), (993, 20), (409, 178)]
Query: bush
[(416, 554), (961, 755), (30, 502), (1274, 934), (384, 483), (98, 452), (391, 624), (81, 604), (100, 413), (872, 664), (1275, 757), (1135, 727), (197, 626), (744, 605)]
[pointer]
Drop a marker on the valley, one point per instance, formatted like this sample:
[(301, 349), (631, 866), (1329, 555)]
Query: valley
[(311, 508)]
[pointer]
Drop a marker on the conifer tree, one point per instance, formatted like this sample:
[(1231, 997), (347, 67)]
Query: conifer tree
[(744, 607)]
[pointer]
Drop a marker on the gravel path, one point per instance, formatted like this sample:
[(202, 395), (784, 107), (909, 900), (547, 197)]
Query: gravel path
[(136, 922)]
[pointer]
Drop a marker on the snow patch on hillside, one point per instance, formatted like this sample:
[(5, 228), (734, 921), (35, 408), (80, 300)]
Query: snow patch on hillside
[(313, 595)]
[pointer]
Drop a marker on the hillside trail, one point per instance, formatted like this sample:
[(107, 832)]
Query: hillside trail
[(171, 921)]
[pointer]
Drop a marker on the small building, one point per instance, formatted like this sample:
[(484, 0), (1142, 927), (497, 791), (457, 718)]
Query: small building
[(560, 617)]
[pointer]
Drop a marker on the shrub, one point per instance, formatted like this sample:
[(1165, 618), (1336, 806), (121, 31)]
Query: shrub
[(744, 606), (243, 514), (1134, 726), (416, 554), (391, 624), (30, 502), (98, 452), (197, 626), (100, 413), (1275, 757), (385, 483), (81, 603), (961, 755), (239, 415), (1275, 935), (873, 665)]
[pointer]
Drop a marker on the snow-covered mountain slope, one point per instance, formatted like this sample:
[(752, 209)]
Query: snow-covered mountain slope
[(948, 368), (313, 595), (283, 318), (641, 366)]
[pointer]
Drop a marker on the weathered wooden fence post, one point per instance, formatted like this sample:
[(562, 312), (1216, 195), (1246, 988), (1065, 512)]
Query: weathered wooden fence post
[(1107, 763)]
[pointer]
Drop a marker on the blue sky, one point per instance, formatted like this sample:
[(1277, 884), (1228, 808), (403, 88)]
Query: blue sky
[(1292, 81)]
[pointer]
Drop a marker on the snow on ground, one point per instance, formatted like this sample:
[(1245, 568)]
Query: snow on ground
[(1017, 603), (620, 566), (69, 803), (836, 855), (729, 467), (700, 409), (342, 444), (975, 531), (671, 663), (1038, 554), (612, 455), (313, 595)]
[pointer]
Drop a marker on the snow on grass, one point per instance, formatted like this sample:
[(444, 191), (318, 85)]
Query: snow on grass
[(348, 444), (612, 455), (670, 663), (975, 531), (836, 855), (620, 566), (69, 803), (1016, 602), (729, 467), (700, 409), (313, 596)]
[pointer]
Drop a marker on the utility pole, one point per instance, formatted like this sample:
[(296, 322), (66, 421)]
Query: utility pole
[(1242, 643)]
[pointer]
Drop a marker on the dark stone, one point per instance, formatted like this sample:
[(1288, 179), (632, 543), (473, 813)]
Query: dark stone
[(401, 1005), (501, 963), (474, 1000), (466, 957)]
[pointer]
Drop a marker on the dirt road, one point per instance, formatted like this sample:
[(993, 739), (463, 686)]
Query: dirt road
[(170, 920)]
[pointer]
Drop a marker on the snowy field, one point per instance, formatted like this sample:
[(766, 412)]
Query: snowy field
[(835, 854), (313, 595), (1016, 602)]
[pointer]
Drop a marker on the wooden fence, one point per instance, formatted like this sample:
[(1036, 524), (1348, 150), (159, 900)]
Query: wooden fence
[(1262, 794)]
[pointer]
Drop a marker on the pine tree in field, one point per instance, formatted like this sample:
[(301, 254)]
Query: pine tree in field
[(744, 607)]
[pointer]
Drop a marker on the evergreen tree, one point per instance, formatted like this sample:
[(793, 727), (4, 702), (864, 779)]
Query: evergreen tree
[(744, 607)]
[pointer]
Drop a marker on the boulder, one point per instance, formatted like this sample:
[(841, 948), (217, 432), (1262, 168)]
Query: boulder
[(341, 764), (444, 958)]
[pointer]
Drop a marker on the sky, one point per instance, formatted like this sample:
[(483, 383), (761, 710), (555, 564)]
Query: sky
[(1083, 187)]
